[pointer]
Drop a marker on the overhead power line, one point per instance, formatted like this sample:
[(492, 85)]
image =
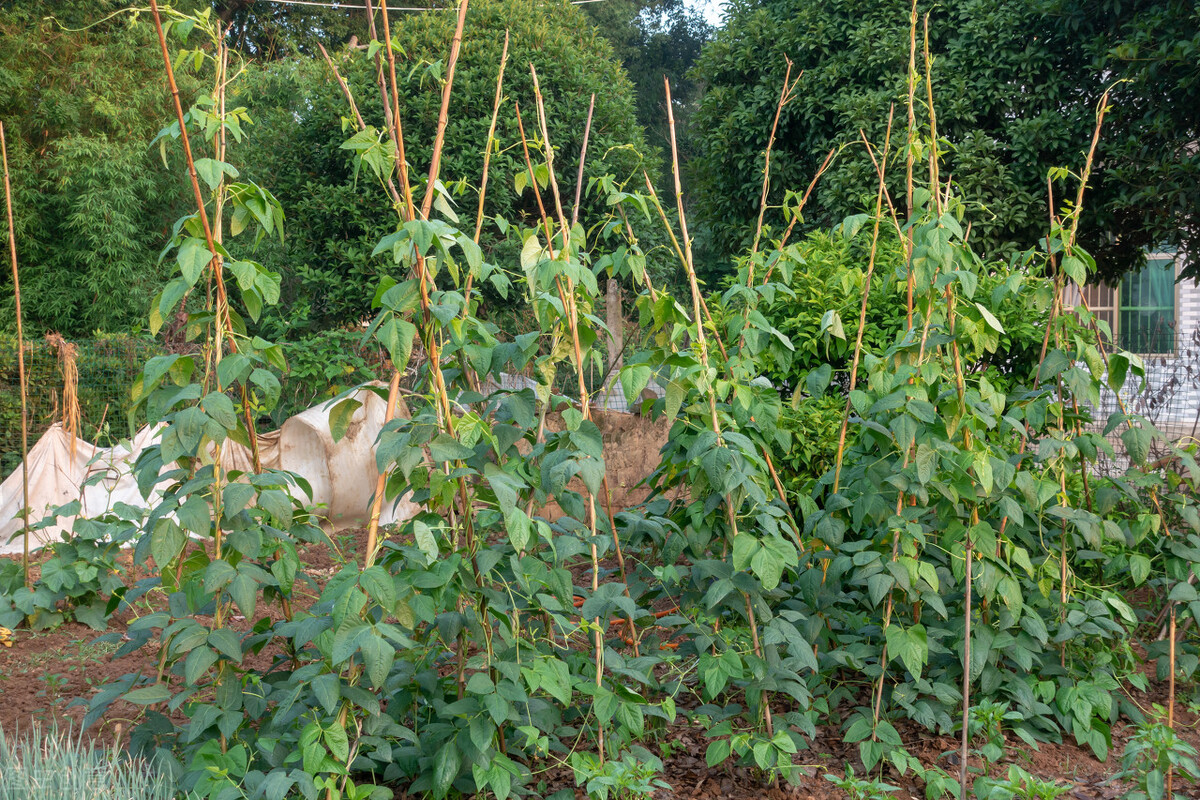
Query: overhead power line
[(340, 6)]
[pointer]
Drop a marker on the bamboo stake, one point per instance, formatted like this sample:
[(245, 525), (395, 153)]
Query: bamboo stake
[(12, 251), (966, 688), (362, 125), (970, 557), (1171, 701), (785, 97), (487, 151), (569, 312), (812, 184), (487, 160), (408, 212), (574, 318), (934, 182), (587, 130), (881, 168), (703, 352), (612, 522), (223, 324), (912, 133), (439, 138)]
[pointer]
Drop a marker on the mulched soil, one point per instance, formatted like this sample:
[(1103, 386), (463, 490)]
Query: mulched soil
[(43, 672)]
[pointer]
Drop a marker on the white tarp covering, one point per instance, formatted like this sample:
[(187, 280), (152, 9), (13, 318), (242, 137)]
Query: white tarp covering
[(342, 474)]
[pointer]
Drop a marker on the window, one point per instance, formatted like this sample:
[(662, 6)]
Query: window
[(1141, 312), (1147, 302)]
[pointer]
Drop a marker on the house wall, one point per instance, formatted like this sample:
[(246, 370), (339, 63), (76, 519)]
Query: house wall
[(1170, 398)]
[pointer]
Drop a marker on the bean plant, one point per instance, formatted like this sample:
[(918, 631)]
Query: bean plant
[(957, 561)]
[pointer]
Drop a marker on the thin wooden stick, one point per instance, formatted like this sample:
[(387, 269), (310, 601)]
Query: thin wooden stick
[(439, 138), (785, 96), (362, 125), (966, 684), (487, 153), (567, 298), (934, 182), (833, 151), (912, 133), (587, 131), (1171, 701), (223, 323), (12, 251), (408, 212), (881, 168)]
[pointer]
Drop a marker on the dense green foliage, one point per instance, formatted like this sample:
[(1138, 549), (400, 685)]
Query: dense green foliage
[(656, 39), (1149, 52), (1017, 83), (333, 203), (91, 199), (962, 568), (269, 31)]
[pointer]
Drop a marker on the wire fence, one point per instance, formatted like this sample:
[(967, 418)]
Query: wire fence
[(1168, 397), (107, 368)]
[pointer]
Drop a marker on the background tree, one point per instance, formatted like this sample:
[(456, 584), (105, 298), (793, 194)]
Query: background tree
[(1017, 84), (335, 218), (268, 31), (653, 38), (81, 105), (1151, 51)]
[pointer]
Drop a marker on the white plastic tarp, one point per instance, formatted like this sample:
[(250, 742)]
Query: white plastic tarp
[(342, 474)]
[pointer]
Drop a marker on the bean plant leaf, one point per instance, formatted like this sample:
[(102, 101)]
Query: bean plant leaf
[(340, 416), (445, 769)]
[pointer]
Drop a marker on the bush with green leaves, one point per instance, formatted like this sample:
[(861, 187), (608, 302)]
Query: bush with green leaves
[(1015, 85), (1152, 752), (83, 579), (1019, 785), (299, 145)]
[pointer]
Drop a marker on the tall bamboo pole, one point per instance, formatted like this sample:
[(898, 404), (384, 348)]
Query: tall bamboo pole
[(587, 131), (912, 134), (12, 251), (784, 97), (702, 346), (224, 328)]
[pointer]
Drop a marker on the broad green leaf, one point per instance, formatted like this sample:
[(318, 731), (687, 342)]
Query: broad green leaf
[(445, 769), (340, 416), (193, 257)]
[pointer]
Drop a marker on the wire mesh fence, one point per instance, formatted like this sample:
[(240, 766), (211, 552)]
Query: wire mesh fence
[(1168, 397), (106, 367)]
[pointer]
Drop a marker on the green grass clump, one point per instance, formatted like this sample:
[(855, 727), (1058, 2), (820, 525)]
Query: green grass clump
[(53, 765)]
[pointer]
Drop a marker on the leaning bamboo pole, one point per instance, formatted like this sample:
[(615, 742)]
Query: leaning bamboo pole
[(12, 251), (224, 327)]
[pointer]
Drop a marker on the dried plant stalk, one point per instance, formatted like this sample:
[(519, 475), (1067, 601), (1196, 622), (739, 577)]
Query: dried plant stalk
[(68, 367)]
